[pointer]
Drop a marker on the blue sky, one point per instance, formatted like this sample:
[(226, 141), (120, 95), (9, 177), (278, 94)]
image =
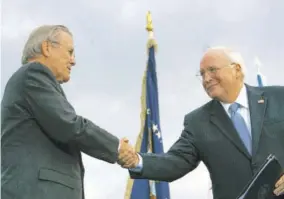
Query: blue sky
[(110, 45)]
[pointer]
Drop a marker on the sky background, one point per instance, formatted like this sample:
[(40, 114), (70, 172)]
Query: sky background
[(110, 45)]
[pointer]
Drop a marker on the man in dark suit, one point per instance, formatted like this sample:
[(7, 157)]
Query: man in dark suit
[(42, 136), (232, 134)]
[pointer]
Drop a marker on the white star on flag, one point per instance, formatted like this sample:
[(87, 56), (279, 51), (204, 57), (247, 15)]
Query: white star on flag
[(156, 130), (158, 134), (155, 127)]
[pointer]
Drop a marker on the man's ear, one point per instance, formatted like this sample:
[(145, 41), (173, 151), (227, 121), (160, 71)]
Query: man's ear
[(45, 48), (239, 72)]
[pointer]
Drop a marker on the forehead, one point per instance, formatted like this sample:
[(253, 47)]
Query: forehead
[(214, 58), (65, 38)]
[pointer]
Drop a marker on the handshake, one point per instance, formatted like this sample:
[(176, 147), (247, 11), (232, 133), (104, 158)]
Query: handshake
[(127, 157)]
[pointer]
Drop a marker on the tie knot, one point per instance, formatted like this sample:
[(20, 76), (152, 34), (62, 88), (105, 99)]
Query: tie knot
[(234, 108)]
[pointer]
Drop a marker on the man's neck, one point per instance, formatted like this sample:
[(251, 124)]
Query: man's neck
[(232, 97)]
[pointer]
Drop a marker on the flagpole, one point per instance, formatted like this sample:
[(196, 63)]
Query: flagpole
[(151, 43), (150, 30), (149, 139), (257, 64)]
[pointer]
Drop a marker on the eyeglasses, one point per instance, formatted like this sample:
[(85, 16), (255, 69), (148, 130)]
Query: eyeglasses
[(70, 51), (212, 71)]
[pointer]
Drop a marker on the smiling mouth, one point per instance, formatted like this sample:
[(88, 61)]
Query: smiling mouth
[(210, 87)]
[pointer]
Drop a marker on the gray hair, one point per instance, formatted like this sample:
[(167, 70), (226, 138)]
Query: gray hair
[(234, 56), (33, 46)]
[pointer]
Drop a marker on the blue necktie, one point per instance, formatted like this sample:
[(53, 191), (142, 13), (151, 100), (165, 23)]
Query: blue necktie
[(240, 126)]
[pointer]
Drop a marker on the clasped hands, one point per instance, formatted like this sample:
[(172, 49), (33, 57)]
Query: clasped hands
[(127, 156)]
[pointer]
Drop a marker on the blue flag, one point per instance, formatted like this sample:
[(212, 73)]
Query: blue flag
[(260, 80), (260, 77), (150, 137)]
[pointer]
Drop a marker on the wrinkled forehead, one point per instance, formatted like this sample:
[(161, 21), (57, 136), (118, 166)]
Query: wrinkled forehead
[(65, 38), (215, 58)]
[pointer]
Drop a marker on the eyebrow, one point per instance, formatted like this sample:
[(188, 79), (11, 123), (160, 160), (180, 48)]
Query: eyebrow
[(211, 66)]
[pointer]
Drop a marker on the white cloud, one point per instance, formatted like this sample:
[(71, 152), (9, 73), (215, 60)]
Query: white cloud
[(14, 29), (129, 10), (238, 11)]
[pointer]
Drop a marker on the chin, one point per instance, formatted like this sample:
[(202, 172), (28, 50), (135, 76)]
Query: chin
[(213, 94), (66, 79)]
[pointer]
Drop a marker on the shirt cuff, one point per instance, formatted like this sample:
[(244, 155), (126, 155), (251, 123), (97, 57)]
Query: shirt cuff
[(139, 167)]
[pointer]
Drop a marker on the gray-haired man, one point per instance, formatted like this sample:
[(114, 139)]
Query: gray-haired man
[(42, 136)]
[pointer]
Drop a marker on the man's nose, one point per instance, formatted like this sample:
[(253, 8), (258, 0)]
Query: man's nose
[(206, 77), (73, 60)]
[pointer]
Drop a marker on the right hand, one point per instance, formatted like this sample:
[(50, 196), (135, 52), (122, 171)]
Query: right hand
[(127, 157)]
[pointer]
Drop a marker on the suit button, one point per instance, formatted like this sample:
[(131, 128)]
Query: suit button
[(254, 167)]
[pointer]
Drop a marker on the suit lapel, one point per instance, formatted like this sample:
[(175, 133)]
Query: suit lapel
[(257, 107), (61, 90), (220, 118)]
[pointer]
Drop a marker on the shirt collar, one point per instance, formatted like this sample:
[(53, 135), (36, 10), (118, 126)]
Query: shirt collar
[(242, 99)]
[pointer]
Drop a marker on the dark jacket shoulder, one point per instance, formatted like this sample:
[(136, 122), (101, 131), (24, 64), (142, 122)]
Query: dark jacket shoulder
[(31, 72), (274, 94), (276, 91), (268, 89)]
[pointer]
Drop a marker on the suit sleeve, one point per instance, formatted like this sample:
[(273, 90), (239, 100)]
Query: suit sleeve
[(182, 158), (59, 121)]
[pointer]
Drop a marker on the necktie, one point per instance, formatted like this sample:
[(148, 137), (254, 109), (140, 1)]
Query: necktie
[(240, 126)]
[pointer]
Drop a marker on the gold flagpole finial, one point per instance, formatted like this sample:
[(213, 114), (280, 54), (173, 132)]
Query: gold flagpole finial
[(150, 29), (149, 26)]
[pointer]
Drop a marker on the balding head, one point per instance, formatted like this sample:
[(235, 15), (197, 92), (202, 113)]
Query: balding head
[(222, 71), (233, 56)]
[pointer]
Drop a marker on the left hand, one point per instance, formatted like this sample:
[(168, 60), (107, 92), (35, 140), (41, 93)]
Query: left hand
[(279, 187)]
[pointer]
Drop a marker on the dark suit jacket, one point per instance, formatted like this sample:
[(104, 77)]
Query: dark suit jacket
[(209, 136), (42, 137)]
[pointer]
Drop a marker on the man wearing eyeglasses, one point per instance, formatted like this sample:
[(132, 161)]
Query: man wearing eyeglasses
[(232, 134), (42, 137)]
